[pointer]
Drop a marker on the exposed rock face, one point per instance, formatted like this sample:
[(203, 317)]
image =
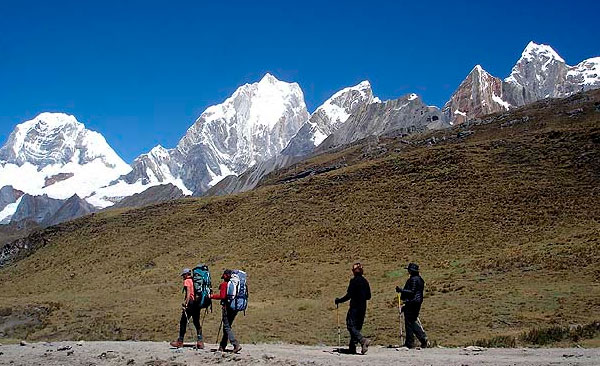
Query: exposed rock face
[(541, 73), (36, 208), (251, 126), (8, 195), (71, 209), (479, 94), (325, 120), (152, 195), (57, 178), (252, 176), (400, 116), (328, 117)]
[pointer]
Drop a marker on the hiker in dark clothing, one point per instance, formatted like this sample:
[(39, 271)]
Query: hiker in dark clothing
[(228, 314), (358, 293), (190, 308), (412, 297)]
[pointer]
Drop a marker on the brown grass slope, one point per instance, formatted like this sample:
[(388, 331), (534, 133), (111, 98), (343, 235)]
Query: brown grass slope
[(504, 223)]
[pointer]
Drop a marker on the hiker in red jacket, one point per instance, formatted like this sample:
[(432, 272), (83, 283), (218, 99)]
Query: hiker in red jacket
[(190, 308), (228, 314)]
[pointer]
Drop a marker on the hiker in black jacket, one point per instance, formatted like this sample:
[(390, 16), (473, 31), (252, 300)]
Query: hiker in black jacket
[(358, 293), (412, 297)]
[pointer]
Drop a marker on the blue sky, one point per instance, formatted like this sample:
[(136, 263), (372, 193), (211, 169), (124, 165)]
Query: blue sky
[(140, 72)]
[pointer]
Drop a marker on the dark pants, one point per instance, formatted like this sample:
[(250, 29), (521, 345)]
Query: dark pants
[(193, 311), (354, 322), (414, 328), (228, 318)]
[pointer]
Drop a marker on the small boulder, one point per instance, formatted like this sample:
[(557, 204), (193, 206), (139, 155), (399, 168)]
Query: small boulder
[(23, 343)]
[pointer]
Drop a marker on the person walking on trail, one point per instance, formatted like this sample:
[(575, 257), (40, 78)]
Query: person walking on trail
[(190, 308), (412, 297), (358, 293), (228, 315)]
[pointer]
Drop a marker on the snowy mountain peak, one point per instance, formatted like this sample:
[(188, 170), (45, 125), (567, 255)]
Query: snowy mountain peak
[(534, 51), (54, 154), (56, 138), (268, 79), (159, 152), (479, 94), (328, 117), (586, 73)]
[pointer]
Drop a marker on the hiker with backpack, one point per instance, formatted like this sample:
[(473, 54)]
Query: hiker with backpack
[(358, 293), (190, 308), (233, 294), (412, 297)]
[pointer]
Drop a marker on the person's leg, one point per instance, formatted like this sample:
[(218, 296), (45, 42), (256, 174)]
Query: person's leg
[(408, 342), (231, 317), (182, 326), (226, 325), (352, 322), (420, 333), (350, 327), (196, 320)]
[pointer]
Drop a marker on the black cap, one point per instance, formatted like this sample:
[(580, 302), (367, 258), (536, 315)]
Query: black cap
[(413, 267)]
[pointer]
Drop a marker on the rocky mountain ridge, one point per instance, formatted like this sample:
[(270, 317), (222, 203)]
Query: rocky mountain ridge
[(262, 127), (538, 74)]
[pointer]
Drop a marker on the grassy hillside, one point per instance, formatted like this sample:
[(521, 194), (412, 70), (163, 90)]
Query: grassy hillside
[(504, 222)]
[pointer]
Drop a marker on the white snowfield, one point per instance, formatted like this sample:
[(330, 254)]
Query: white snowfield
[(54, 154), (159, 353)]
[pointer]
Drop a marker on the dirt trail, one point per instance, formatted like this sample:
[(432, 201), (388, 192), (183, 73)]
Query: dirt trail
[(159, 354)]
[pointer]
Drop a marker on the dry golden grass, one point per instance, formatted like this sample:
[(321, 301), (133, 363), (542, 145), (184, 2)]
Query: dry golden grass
[(505, 225)]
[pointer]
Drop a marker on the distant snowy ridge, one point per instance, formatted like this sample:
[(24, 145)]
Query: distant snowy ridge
[(328, 117), (539, 73), (251, 126), (54, 154)]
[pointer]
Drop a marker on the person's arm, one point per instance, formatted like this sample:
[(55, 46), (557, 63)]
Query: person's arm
[(411, 290), (188, 288), (368, 297), (222, 295), (348, 295)]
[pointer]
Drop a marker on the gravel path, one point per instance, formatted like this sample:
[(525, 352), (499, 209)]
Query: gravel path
[(159, 354)]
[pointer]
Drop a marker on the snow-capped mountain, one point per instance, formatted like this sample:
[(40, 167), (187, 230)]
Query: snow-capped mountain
[(541, 73), (328, 117), (251, 126), (404, 115), (54, 154), (479, 94)]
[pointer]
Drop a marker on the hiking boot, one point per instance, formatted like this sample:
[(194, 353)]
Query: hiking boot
[(352, 350), (425, 344), (177, 344), (200, 345), (221, 349), (364, 345), (237, 348)]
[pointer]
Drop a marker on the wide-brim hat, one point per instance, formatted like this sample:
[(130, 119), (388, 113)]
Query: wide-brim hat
[(186, 271), (413, 267)]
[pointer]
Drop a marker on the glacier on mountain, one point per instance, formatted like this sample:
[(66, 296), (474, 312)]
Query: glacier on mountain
[(54, 154)]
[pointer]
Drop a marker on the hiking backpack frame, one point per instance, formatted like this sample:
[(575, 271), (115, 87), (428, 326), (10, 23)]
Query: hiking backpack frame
[(237, 291), (202, 286)]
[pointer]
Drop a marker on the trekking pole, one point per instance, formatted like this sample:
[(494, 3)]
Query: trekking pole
[(337, 310), (203, 318), (400, 315), (219, 332)]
